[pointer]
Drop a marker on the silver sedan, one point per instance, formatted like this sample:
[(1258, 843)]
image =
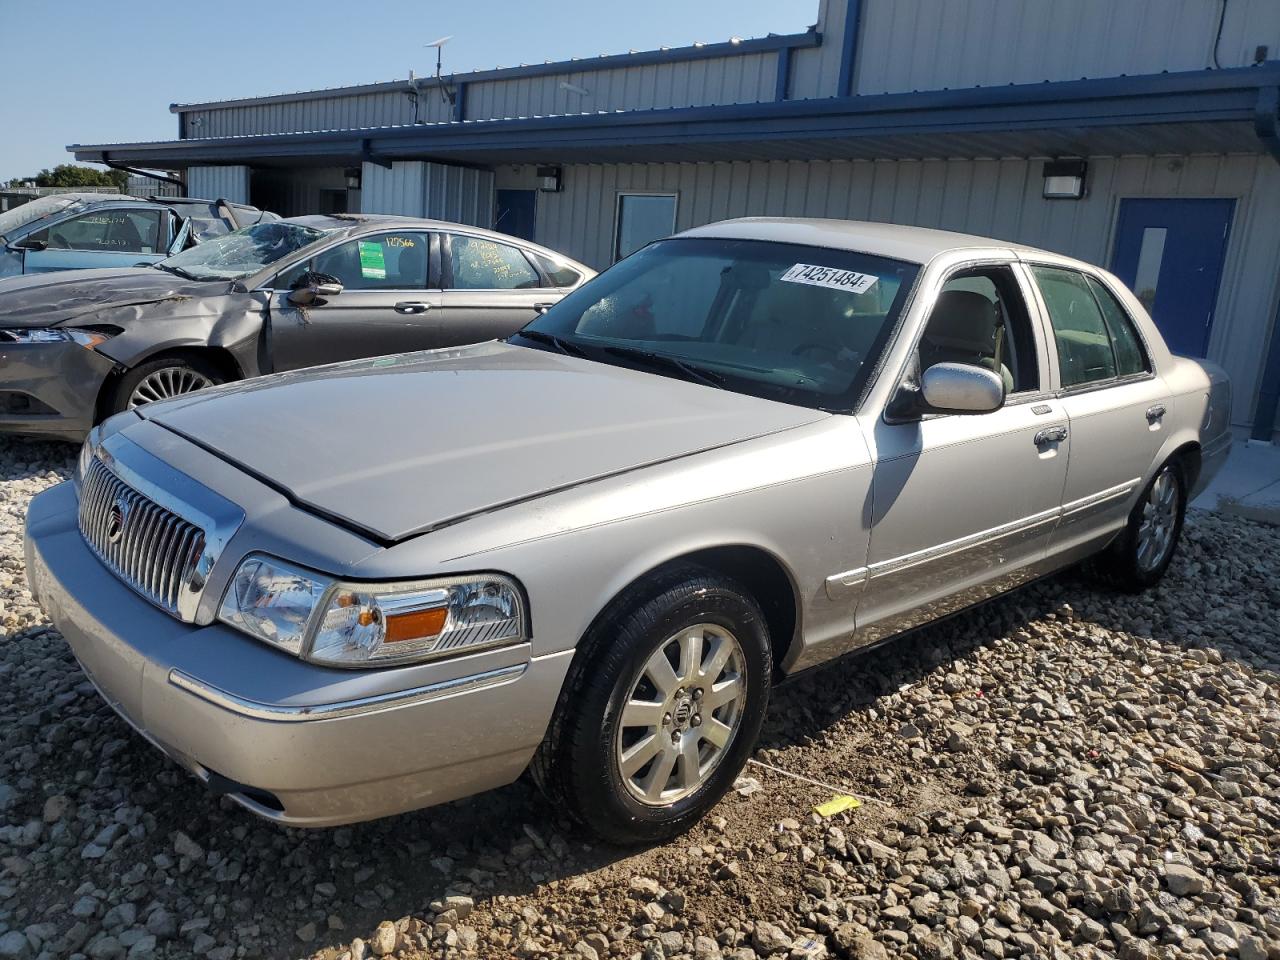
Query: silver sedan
[(590, 549)]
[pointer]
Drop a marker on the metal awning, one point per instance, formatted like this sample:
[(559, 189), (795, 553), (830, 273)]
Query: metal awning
[(1205, 111)]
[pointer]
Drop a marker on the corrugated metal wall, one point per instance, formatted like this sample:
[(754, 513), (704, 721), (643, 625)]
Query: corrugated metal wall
[(736, 79), (151, 187), (383, 109), (296, 192), (219, 183), (934, 44), (815, 72), (998, 198), (420, 189), (744, 79)]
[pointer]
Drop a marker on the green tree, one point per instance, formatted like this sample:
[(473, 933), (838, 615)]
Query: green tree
[(72, 175)]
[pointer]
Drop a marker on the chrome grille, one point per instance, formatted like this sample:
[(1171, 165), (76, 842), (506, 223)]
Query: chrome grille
[(150, 548)]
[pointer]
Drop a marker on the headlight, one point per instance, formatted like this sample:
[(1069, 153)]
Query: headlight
[(86, 338), (342, 624), (86, 455)]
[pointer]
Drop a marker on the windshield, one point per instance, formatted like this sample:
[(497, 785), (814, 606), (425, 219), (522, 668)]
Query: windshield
[(801, 324), (10, 220), (242, 252)]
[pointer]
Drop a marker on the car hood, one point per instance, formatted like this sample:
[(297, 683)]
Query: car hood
[(401, 445), (67, 296)]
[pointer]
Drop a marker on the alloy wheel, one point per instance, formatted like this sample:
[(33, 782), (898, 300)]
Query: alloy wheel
[(682, 713), (1159, 521), (166, 383)]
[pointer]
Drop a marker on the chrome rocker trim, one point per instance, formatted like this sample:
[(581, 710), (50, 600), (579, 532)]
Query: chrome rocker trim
[(345, 708), (842, 585)]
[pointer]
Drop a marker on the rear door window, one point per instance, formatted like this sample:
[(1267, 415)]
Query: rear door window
[(106, 231), (1131, 358), (482, 264), (1085, 352)]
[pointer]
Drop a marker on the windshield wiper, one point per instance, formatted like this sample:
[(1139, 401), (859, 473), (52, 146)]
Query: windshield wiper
[(667, 361), (560, 343), (178, 270)]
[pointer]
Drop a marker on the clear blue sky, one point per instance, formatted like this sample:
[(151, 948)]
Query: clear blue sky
[(83, 72)]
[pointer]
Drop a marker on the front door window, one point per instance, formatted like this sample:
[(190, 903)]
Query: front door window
[(106, 231)]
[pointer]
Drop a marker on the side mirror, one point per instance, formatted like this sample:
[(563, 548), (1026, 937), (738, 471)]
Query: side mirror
[(313, 287), (29, 243), (961, 388)]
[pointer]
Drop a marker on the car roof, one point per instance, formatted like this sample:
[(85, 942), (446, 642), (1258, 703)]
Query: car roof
[(356, 223), (914, 244), (89, 199)]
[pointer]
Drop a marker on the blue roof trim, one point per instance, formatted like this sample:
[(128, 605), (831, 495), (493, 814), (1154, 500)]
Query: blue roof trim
[(849, 47), (782, 83), (705, 51), (1193, 96)]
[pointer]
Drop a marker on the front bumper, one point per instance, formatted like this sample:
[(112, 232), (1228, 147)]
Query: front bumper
[(295, 743), (50, 389)]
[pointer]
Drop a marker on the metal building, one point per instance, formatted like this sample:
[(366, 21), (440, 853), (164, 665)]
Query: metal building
[(1144, 136)]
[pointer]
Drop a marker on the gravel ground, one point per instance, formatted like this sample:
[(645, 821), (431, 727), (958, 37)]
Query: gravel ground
[(1063, 773)]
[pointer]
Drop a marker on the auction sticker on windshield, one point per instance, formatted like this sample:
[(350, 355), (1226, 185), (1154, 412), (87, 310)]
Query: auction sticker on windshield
[(373, 265), (836, 279)]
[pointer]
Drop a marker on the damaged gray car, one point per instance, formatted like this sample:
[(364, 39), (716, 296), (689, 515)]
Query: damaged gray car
[(78, 346)]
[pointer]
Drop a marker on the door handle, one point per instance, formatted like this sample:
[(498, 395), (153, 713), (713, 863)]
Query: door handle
[(412, 306), (543, 307), (1155, 412), (1050, 435)]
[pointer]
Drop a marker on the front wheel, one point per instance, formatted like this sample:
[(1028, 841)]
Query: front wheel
[(1139, 557), (661, 709), (162, 379)]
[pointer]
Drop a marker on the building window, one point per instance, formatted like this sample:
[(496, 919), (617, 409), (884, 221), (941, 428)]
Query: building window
[(643, 217)]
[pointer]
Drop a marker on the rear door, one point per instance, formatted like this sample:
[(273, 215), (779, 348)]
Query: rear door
[(107, 236), (389, 302), (492, 289), (1115, 403)]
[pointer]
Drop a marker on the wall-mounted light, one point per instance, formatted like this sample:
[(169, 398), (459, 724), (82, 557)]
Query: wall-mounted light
[(353, 177), (1064, 179), (549, 180)]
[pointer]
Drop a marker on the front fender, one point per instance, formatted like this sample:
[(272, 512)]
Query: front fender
[(798, 498), (236, 327)]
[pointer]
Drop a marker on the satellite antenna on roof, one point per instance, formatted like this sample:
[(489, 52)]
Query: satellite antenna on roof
[(445, 91)]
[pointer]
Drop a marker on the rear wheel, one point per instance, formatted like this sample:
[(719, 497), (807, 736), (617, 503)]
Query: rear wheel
[(162, 379), (1139, 557), (661, 709)]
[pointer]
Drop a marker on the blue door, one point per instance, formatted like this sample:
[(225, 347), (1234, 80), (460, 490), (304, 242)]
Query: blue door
[(1170, 253), (515, 213)]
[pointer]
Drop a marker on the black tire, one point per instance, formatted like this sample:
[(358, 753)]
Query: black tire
[(1121, 566), (577, 765), (122, 390)]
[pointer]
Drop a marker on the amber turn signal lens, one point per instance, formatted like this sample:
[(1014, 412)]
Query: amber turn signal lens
[(416, 625)]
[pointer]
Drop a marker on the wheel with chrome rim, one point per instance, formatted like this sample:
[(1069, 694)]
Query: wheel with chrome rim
[(661, 708), (167, 383), (1159, 520), (163, 379), (1139, 557), (682, 714)]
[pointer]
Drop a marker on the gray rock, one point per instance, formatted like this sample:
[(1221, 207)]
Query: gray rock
[(14, 946), (1182, 881)]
